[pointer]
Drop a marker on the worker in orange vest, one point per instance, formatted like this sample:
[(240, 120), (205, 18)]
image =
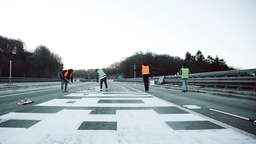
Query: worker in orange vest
[(66, 76), (146, 72)]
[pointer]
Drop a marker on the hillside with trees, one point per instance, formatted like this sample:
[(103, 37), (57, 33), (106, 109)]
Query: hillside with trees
[(160, 65), (41, 63)]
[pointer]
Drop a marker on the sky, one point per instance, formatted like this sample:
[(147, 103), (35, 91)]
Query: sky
[(97, 33)]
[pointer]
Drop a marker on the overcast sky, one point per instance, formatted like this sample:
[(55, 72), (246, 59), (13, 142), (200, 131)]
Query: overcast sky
[(97, 33)]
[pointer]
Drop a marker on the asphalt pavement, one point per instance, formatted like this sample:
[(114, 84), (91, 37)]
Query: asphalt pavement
[(125, 114)]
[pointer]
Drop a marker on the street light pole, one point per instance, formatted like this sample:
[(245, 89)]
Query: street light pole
[(10, 73)]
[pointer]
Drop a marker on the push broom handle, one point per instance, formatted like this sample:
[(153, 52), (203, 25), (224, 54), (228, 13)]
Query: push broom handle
[(74, 84), (67, 80), (231, 115)]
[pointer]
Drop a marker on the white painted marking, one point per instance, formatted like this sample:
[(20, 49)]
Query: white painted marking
[(26, 116), (191, 106), (93, 102), (7, 134), (181, 117), (60, 128), (133, 126), (76, 94), (109, 94)]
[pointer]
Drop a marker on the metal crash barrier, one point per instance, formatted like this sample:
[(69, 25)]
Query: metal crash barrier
[(238, 79)]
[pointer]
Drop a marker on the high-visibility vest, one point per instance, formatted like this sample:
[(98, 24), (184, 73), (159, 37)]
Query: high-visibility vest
[(101, 73), (185, 72), (145, 70), (66, 73)]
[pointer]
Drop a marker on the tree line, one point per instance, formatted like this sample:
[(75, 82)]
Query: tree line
[(41, 63), (160, 64)]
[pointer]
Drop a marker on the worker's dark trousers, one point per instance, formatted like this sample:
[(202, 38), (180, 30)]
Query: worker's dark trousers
[(105, 81), (145, 79)]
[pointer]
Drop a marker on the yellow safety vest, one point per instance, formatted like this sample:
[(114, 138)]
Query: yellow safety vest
[(101, 74), (185, 72)]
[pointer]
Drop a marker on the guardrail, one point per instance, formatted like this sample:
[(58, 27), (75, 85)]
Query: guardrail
[(26, 79), (239, 79)]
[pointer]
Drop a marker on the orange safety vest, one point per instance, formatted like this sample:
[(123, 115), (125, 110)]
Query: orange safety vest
[(66, 73), (145, 70)]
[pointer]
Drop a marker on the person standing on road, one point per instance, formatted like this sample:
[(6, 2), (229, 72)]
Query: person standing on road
[(102, 77), (184, 71), (66, 76), (146, 72)]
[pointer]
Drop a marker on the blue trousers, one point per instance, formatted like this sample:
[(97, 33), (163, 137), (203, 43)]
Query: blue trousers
[(63, 81), (185, 84)]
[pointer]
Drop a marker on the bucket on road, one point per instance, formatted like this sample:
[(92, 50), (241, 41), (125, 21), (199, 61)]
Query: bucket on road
[(97, 88), (152, 82)]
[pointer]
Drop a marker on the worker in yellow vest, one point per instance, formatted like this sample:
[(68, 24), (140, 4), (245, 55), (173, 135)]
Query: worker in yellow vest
[(184, 71), (146, 72), (101, 75), (66, 76)]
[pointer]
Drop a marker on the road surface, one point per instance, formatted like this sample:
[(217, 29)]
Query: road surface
[(125, 114)]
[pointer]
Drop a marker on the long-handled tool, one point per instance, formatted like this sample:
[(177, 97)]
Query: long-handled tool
[(89, 88), (254, 121), (134, 75), (73, 83)]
